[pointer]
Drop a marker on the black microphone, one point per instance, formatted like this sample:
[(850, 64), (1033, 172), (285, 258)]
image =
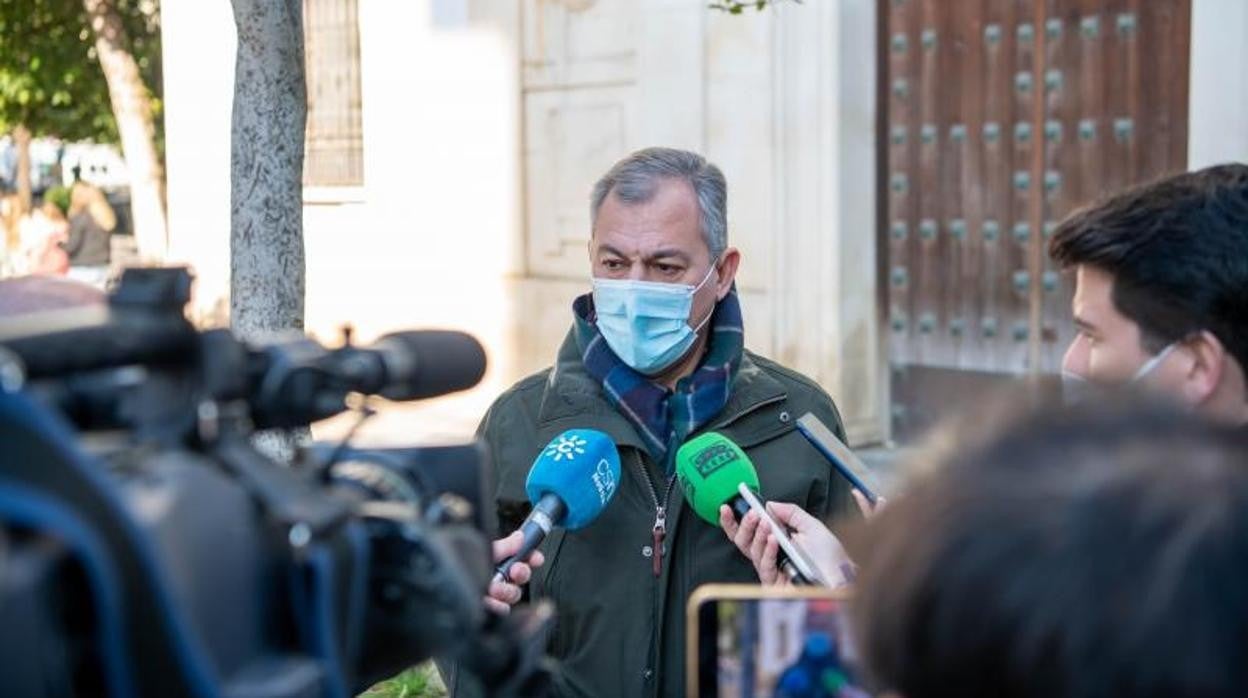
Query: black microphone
[(298, 381), (571, 482), (427, 363)]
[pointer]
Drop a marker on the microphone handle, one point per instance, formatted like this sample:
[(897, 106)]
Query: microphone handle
[(739, 509), (547, 514)]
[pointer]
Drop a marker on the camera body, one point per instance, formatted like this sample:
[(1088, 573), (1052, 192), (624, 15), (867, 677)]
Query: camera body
[(148, 547)]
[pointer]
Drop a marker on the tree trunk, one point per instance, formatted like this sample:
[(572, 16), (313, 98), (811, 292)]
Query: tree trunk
[(266, 169), (21, 141), (132, 108)]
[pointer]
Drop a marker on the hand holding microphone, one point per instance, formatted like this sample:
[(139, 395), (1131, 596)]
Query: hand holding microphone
[(760, 541), (719, 480), (571, 482), (505, 593), (764, 542)]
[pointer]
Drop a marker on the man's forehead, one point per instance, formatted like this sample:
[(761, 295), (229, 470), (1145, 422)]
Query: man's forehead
[(1093, 286), (645, 252), (645, 245), (1094, 303)]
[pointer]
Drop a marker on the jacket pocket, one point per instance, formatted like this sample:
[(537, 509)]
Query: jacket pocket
[(764, 422), (749, 438)]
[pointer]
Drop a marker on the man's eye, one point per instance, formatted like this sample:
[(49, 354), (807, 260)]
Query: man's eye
[(612, 264), (667, 268)]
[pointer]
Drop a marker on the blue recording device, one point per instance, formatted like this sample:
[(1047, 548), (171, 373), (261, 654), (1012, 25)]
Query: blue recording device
[(571, 482)]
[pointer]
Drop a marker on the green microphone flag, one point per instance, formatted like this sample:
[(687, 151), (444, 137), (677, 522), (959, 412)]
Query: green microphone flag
[(710, 467)]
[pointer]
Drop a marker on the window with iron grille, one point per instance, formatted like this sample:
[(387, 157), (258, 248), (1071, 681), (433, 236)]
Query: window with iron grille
[(334, 144)]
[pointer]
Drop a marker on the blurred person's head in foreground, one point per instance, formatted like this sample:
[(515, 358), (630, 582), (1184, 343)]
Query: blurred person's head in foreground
[(1161, 296), (1093, 552)]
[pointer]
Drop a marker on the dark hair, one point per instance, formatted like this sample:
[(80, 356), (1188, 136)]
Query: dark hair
[(1078, 554), (1177, 249)]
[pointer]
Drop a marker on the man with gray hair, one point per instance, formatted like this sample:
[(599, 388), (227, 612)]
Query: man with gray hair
[(655, 356)]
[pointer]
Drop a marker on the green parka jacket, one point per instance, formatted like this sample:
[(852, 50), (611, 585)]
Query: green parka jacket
[(620, 629)]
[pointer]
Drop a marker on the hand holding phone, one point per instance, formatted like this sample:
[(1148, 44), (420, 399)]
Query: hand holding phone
[(809, 544), (801, 562)]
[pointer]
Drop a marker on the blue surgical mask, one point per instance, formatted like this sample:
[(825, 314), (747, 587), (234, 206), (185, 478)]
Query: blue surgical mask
[(1077, 389), (646, 323)]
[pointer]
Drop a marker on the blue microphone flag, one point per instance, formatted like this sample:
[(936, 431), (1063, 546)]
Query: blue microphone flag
[(582, 468)]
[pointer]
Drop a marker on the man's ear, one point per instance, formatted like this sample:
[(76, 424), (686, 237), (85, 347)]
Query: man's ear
[(1205, 374), (728, 263)]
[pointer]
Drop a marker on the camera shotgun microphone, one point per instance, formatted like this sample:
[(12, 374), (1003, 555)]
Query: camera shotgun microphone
[(715, 471), (427, 363), (571, 482), (297, 381)]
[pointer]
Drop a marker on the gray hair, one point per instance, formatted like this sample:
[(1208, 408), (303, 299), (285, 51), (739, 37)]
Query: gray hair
[(636, 179)]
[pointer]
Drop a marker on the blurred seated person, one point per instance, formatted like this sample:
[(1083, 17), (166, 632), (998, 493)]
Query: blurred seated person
[(41, 234), (1094, 553), (91, 224)]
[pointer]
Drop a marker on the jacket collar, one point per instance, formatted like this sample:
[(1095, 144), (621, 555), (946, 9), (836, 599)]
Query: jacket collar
[(573, 399)]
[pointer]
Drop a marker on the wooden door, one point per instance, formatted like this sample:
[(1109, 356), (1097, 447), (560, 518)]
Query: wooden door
[(1000, 117)]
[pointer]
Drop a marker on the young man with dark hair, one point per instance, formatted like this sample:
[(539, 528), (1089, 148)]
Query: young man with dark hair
[(1161, 296), (1161, 303), (1092, 553)]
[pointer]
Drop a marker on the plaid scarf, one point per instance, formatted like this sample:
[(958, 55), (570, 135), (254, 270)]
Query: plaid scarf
[(665, 418)]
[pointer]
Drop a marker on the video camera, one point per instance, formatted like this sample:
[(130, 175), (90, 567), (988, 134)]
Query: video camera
[(148, 548)]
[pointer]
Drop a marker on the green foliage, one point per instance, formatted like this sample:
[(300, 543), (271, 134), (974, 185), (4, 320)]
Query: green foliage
[(737, 7), (50, 80), (418, 682)]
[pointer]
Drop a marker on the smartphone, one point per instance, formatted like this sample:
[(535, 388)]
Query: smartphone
[(843, 459), (796, 555), (771, 641)]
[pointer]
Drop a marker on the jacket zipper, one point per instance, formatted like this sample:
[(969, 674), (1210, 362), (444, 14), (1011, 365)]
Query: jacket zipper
[(659, 530)]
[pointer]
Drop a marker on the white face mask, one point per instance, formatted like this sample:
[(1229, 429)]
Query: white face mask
[(1076, 389)]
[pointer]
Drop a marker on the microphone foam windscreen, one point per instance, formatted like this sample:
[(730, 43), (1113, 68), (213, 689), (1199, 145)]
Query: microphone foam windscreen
[(429, 363), (710, 467), (581, 467)]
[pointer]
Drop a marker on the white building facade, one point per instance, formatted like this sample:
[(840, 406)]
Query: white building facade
[(478, 128)]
